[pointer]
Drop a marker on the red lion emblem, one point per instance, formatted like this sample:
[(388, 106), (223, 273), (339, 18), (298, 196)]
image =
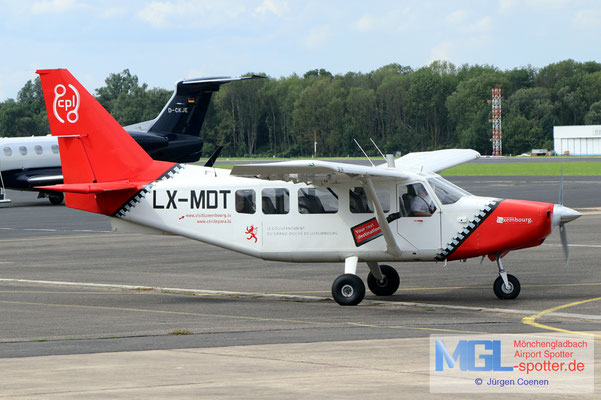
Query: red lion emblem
[(252, 232)]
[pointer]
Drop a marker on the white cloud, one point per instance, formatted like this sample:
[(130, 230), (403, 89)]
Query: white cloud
[(366, 23), (113, 12), (53, 6), (456, 17), (162, 14), (587, 19), (539, 5), (484, 24), (277, 7), (507, 5), (193, 73), (442, 51), (317, 37)]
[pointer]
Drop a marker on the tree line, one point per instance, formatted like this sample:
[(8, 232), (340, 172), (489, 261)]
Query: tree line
[(402, 109)]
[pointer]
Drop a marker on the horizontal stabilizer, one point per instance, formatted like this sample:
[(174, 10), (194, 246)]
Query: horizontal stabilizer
[(86, 188)]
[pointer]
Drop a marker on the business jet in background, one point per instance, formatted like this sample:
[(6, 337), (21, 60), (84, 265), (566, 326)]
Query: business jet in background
[(26, 162)]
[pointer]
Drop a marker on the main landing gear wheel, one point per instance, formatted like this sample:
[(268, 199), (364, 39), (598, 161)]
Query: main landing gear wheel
[(348, 290), (507, 293), (389, 283), (56, 198)]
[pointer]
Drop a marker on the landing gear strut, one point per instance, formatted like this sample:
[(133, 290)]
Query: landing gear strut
[(506, 287)]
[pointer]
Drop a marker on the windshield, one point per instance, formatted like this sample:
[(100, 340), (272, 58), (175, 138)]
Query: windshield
[(447, 192)]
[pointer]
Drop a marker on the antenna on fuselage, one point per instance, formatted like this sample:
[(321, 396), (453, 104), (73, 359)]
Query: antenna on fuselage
[(364, 153), (389, 158), (377, 148)]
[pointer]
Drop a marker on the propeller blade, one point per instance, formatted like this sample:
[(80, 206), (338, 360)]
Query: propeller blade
[(564, 243), (561, 187)]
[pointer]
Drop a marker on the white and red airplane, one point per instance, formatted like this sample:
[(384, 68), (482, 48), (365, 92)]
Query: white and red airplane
[(298, 211)]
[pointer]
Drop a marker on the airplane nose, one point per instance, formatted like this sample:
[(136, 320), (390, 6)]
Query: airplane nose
[(563, 214)]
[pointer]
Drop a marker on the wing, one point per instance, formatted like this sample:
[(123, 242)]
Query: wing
[(435, 161), (316, 172)]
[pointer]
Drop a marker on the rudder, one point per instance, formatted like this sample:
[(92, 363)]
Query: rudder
[(94, 148)]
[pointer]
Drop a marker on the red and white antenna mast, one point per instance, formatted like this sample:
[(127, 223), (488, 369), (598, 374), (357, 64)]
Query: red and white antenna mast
[(497, 136)]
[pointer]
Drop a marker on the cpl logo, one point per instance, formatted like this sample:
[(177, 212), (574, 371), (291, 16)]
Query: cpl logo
[(68, 104)]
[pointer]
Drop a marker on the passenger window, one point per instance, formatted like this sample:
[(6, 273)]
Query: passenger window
[(359, 204), (317, 201), (245, 201), (54, 148), (416, 202), (23, 150), (38, 149), (8, 152), (275, 201)]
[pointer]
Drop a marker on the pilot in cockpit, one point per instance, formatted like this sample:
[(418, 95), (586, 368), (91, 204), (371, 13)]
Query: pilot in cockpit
[(421, 204)]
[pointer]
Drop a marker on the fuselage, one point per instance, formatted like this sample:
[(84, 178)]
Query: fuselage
[(287, 221), (33, 152)]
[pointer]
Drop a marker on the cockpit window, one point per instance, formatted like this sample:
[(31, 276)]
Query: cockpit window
[(447, 192)]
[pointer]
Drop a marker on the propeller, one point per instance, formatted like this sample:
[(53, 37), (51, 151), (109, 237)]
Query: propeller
[(561, 216)]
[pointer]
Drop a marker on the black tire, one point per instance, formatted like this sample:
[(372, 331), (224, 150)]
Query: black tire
[(56, 198), (501, 291), (348, 290), (388, 285)]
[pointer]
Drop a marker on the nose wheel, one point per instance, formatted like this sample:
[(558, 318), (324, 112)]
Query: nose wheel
[(506, 287), (509, 291)]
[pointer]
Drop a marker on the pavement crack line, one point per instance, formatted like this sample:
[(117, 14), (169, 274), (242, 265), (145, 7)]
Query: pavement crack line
[(295, 361), (365, 303)]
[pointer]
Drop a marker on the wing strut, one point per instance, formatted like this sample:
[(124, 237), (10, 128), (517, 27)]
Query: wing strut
[(391, 245)]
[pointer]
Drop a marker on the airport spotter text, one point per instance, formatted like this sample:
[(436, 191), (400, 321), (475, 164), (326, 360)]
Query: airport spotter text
[(196, 199)]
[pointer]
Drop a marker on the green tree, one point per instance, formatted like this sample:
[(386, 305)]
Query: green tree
[(593, 116)]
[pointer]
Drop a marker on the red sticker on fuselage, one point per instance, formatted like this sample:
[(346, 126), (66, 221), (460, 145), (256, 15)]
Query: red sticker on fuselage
[(366, 232)]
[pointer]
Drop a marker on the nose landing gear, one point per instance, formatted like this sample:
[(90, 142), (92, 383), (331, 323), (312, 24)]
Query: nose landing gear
[(506, 287)]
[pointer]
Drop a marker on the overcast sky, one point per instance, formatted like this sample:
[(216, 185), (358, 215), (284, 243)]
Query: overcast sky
[(164, 41)]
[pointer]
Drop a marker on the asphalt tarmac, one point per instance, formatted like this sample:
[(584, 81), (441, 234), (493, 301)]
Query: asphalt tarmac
[(69, 286)]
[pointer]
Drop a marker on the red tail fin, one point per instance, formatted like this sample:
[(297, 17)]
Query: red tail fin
[(94, 148)]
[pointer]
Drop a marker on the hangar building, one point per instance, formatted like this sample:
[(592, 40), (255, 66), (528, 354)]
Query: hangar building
[(577, 140)]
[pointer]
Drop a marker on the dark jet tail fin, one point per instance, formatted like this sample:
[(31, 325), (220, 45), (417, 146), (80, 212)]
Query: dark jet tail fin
[(184, 114)]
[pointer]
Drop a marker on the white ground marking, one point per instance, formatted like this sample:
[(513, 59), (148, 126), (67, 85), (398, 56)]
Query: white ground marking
[(299, 297)]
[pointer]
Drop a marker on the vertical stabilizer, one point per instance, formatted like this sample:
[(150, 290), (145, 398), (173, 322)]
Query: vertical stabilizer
[(94, 148)]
